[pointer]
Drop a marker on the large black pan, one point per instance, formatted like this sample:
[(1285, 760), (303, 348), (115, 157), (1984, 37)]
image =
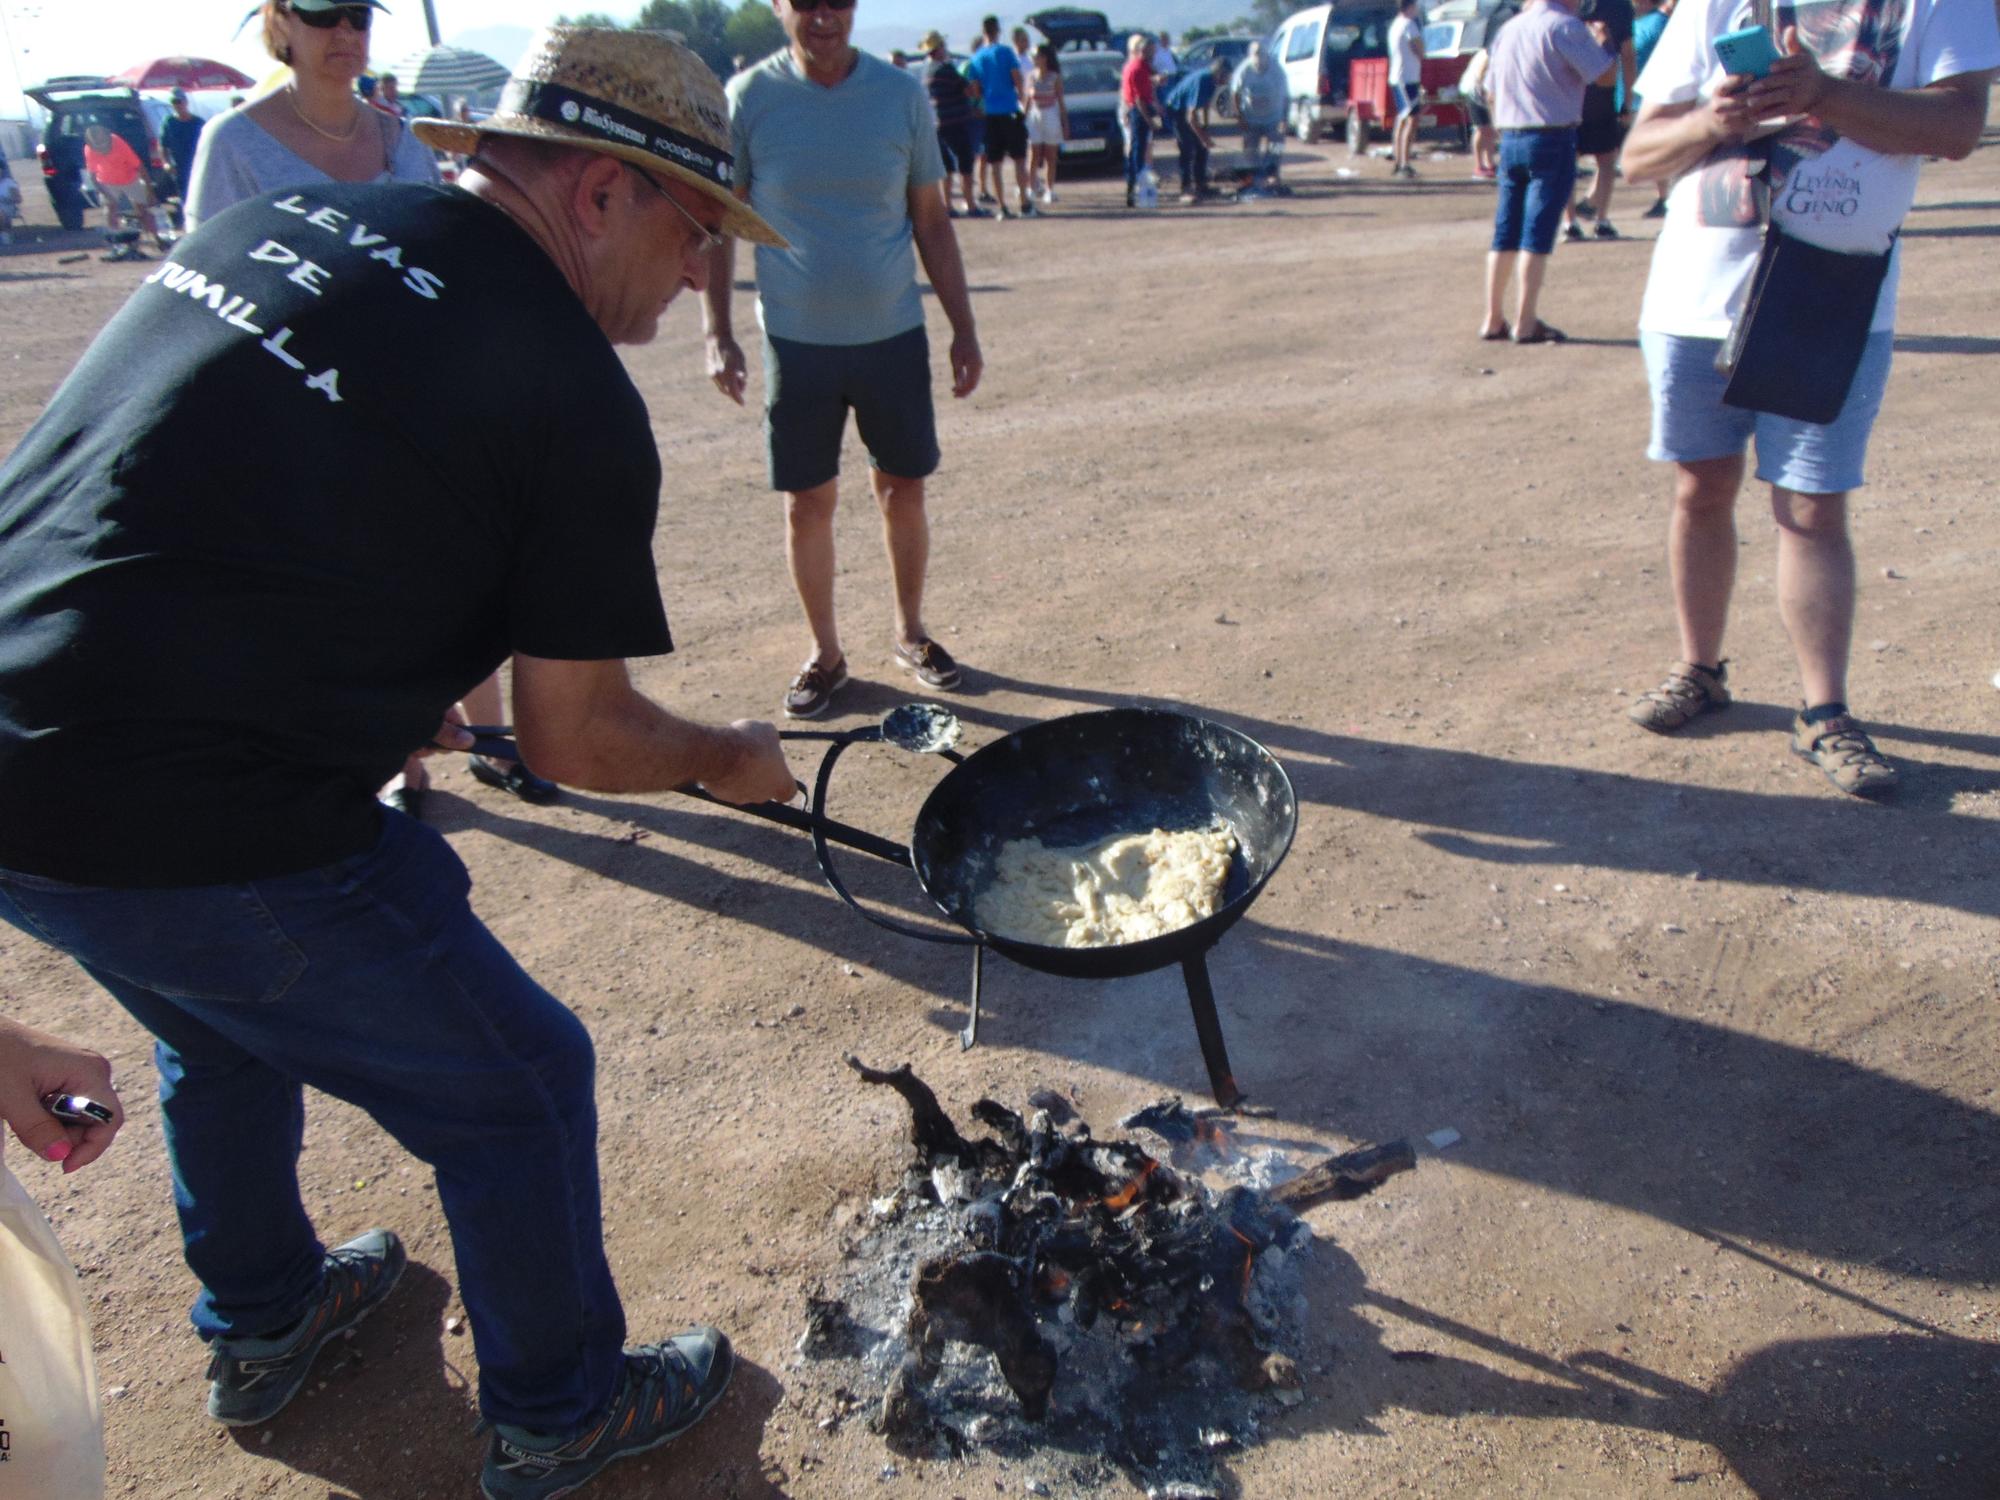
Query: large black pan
[(1076, 780)]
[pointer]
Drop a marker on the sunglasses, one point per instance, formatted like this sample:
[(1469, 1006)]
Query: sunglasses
[(706, 238), (360, 17), (803, 7)]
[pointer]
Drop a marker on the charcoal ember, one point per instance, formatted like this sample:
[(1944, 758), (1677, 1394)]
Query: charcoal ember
[(977, 1299), (1054, 1105), (831, 1332), (931, 1130)]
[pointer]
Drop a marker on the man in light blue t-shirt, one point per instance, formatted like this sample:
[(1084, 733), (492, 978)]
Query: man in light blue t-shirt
[(997, 69), (838, 151)]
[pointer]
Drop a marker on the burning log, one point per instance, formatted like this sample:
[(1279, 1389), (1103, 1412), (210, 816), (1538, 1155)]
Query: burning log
[(1355, 1174)]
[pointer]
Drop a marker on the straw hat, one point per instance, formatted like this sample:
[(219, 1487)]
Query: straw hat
[(931, 42), (634, 95)]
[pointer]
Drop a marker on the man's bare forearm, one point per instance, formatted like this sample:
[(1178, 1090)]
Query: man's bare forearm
[(1668, 141), (938, 247), (1945, 119), (717, 317), (628, 743)]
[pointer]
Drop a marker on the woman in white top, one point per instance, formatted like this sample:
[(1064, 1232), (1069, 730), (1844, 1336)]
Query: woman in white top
[(1048, 120), (314, 129)]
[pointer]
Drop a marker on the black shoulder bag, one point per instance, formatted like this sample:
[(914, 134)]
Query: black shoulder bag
[(1795, 347)]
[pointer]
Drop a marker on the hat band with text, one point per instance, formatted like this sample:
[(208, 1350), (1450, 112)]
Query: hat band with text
[(590, 115)]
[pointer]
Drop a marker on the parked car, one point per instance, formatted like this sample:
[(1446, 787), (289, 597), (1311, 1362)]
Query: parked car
[(1459, 28), (74, 104), (1078, 30), (1090, 91), (1314, 46), (1231, 49)]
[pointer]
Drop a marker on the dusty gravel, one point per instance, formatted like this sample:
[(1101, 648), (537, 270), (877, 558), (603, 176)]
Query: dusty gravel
[(1721, 1044)]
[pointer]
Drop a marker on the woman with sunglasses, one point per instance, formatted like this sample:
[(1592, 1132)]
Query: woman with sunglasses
[(313, 128)]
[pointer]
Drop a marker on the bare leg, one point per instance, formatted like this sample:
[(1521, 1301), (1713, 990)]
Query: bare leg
[(1405, 139), (1816, 588), (1021, 181), (482, 705), (1601, 186), (965, 186), (809, 555), (1701, 553), (1499, 268), (1527, 311), (1486, 148), (906, 537)]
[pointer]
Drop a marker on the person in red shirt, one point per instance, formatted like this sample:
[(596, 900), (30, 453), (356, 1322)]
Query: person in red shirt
[(1138, 110), (121, 180)]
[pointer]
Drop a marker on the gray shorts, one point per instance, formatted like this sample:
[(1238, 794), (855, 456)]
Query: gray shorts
[(1691, 422), (810, 388)]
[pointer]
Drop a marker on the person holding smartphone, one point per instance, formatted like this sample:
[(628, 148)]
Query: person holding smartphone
[(1857, 93)]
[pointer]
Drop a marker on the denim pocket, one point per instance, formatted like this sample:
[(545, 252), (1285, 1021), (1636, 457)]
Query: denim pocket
[(214, 942)]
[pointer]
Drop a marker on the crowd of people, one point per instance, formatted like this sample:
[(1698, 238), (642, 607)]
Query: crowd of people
[(294, 639)]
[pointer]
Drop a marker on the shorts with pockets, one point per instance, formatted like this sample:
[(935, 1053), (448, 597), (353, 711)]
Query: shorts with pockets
[(1691, 422), (810, 388), (1409, 96), (956, 147), (1006, 135), (1045, 127), (1537, 175)]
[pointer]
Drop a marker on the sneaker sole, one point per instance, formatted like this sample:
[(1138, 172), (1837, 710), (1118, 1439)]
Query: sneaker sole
[(931, 679), (1713, 708), (1866, 794), (662, 1440), (305, 1369)]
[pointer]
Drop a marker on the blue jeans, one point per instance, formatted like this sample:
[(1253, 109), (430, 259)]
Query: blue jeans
[(372, 981), (1193, 154), (1138, 136), (1537, 175)]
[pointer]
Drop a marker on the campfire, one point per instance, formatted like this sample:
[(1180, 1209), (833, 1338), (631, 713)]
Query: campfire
[(1036, 1287)]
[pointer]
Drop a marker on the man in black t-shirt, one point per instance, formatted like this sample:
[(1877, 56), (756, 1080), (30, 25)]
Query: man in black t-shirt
[(247, 562)]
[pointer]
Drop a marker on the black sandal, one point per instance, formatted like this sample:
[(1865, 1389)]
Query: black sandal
[(1545, 333), (1500, 336)]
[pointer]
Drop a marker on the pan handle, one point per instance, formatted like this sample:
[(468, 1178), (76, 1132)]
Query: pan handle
[(820, 827)]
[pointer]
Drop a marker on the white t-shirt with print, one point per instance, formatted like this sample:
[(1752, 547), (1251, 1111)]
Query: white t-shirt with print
[(1405, 66), (1825, 189)]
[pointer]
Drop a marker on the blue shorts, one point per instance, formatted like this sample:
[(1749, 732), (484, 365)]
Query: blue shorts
[(1537, 175), (1408, 97), (1690, 422)]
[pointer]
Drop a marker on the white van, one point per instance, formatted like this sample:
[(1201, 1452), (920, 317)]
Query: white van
[(1314, 47)]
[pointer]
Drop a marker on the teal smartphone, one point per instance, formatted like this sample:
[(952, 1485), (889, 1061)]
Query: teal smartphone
[(1749, 52)]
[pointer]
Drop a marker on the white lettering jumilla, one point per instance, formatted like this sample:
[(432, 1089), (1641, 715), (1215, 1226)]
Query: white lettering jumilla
[(327, 382)]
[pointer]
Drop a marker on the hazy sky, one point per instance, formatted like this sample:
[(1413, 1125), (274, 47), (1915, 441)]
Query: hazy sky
[(41, 38)]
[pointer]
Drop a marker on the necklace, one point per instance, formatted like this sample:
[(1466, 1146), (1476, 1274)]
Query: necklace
[(292, 96)]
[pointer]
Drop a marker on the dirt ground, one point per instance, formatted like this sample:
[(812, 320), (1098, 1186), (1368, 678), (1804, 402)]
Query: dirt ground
[(1722, 1045)]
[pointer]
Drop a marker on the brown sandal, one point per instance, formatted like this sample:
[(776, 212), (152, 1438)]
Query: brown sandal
[(1689, 691), (1840, 747)]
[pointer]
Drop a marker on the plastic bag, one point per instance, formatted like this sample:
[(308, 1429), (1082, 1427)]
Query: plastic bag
[(51, 1420), (1147, 194)]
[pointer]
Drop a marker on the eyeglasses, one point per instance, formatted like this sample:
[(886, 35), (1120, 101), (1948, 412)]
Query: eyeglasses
[(805, 6), (360, 17), (706, 238)]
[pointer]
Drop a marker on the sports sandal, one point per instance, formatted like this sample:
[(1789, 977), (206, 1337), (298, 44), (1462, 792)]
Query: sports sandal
[(666, 1390), (251, 1380), (1840, 747), (814, 688), (931, 663), (1690, 690)]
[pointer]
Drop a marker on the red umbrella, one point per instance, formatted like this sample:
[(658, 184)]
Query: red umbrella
[(190, 73)]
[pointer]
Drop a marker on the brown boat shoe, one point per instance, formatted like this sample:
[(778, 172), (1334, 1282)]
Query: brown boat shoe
[(1840, 747), (1689, 691), (931, 663), (813, 689)]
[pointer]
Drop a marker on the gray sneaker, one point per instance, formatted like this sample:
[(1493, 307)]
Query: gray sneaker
[(668, 1388), (250, 1380)]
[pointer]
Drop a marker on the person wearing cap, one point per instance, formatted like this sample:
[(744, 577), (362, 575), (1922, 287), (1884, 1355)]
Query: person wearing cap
[(212, 665), (838, 151), (952, 103), (180, 135)]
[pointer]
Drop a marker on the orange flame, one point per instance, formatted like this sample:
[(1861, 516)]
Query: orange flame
[(1125, 1196)]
